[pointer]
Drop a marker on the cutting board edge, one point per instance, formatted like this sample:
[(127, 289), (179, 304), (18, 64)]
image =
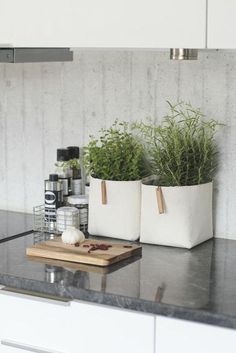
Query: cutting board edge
[(86, 260)]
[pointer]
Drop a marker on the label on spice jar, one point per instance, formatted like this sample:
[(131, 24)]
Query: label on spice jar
[(53, 200)]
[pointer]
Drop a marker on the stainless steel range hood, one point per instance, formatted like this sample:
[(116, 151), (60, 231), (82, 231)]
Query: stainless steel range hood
[(33, 55)]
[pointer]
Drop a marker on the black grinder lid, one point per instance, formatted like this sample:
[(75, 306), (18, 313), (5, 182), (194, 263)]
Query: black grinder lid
[(73, 152), (53, 177), (62, 155)]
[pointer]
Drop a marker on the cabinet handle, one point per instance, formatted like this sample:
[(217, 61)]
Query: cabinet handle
[(25, 347), (15, 292)]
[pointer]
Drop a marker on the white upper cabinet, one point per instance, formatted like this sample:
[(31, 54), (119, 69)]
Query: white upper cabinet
[(104, 23), (221, 24)]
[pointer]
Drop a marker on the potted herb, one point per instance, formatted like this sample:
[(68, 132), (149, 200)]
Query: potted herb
[(116, 164), (176, 209)]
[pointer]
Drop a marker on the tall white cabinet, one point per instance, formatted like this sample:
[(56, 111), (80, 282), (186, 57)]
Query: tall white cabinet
[(103, 23), (221, 24)]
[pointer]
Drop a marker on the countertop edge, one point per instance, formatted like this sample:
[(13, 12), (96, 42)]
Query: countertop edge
[(119, 301)]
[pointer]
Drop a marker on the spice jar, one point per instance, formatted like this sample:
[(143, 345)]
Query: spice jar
[(81, 203), (67, 217)]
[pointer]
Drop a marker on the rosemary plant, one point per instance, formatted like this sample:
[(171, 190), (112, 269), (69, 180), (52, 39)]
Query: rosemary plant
[(115, 155), (182, 149)]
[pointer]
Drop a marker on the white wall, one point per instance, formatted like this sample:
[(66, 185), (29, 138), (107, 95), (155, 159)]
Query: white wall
[(46, 106)]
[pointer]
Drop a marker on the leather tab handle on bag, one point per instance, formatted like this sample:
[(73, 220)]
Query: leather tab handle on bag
[(160, 200), (104, 192)]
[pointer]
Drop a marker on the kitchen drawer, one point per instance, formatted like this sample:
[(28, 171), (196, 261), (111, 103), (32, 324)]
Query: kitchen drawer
[(103, 329), (50, 326), (33, 321)]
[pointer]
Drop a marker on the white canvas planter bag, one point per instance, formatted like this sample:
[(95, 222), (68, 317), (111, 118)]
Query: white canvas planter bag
[(186, 219), (114, 208)]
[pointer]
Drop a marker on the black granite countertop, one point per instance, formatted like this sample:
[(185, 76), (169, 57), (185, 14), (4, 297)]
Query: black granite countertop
[(197, 285), (14, 224)]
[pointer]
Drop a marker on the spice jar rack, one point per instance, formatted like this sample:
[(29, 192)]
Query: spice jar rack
[(50, 225)]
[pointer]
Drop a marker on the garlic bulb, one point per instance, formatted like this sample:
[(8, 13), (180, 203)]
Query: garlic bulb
[(72, 236)]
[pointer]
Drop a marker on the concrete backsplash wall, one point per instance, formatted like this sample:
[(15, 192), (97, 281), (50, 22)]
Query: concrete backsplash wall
[(46, 106)]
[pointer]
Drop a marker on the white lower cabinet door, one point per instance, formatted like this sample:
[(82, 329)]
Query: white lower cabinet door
[(38, 324), (31, 324), (180, 336), (102, 329)]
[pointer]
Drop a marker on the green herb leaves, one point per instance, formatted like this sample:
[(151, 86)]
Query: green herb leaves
[(115, 155), (182, 149)]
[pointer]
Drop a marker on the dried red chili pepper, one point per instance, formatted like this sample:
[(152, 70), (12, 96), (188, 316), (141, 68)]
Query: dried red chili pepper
[(95, 247)]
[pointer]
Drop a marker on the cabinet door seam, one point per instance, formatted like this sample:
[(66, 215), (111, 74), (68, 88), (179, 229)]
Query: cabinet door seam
[(206, 30)]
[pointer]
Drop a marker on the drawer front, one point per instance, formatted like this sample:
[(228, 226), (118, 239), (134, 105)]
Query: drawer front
[(104, 329), (53, 327), (34, 322)]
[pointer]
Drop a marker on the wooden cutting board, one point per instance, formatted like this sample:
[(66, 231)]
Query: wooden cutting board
[(55, 249)]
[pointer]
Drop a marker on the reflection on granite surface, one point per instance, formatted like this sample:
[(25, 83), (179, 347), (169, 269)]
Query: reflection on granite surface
[(197, 284), (13, 223), (65, 277), (183, 275)]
